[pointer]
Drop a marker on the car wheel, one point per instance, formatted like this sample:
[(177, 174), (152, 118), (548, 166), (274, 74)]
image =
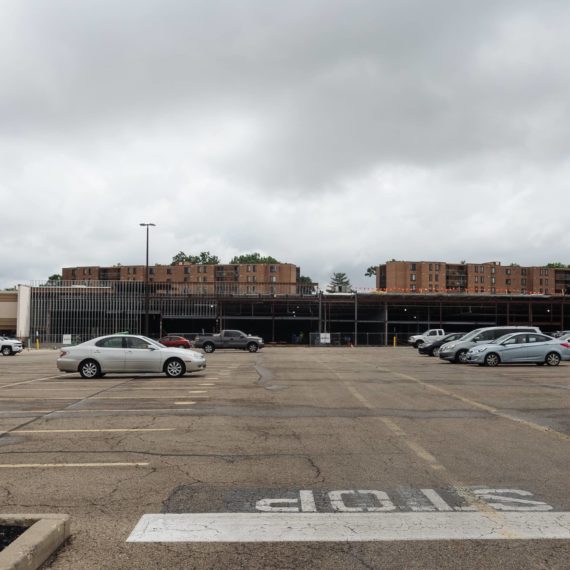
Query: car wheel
[(89, 369), (417, 343), (461, 356), (552, 359), (492, 359), (174, 368), (6, 351), (209, 347), (252, 347)]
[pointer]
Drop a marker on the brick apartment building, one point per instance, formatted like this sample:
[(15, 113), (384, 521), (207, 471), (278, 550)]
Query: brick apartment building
[(487, 278), (257, 278)]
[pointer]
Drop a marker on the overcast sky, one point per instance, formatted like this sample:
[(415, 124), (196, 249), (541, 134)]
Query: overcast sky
[(333, 135)]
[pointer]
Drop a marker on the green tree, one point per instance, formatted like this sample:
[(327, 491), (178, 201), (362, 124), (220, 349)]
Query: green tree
[(340, 283), (203, 258), (304, 280), (556, 265), (371, 271), (180, 257), (253, 258), (54, 277)]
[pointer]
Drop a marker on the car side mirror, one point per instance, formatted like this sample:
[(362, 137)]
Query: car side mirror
[(150, 347)]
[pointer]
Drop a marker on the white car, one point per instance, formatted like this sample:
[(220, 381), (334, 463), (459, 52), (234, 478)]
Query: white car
[(10, 346), (128, 353)]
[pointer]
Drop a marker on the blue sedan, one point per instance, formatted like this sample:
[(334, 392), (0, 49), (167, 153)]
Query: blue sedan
[(519, 348)]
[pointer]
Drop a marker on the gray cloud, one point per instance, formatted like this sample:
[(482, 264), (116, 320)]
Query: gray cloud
[(326, 133)]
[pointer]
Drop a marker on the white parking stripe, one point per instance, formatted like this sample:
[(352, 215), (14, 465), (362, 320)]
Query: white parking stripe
[(326, 527), (45, 465), (48, 431)]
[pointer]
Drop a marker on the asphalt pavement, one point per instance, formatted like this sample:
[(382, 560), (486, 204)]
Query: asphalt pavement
[(294, 458)]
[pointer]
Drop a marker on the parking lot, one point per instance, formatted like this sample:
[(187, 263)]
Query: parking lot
[(294, 458)]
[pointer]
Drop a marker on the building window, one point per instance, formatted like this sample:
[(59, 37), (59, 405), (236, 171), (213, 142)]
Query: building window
[(249, 268), (273, 269), (482, 279), (508, 271), (431, 266), (186, 271), (540, 281), (523, 271), (185, 279), (437, 276), (413, 277), (523, 281), (476, 288), (412, 266), (273, 279), (430, 277), (546, 281), (493, 269), (476, 278), (507, 281), (476, 269), (493, 280), (412, 287), (437, 266), (493, 290), (151, 270), (169, 271)]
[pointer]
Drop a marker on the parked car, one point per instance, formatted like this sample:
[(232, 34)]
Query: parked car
[(431, 334), (176, 341), (456, 351), (229, 339), (520, 348), (560, 334), (128, 353), (432, 347), (10, 346)]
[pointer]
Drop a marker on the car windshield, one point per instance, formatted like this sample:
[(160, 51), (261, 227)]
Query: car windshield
[(501, 338), (471, 335)]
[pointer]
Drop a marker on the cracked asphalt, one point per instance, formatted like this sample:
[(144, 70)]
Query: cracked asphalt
[(266, 425)]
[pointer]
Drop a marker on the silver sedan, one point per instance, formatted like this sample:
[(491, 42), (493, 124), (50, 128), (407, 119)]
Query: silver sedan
[(128, 353), (520, 348)]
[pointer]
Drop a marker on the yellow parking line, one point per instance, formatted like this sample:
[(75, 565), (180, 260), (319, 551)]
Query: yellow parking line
[(43, 465)]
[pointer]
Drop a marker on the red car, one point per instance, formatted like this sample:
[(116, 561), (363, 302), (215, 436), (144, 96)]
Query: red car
[(175, 341)]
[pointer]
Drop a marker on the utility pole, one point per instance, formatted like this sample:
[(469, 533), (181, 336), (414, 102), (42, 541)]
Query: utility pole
[(146, 288)]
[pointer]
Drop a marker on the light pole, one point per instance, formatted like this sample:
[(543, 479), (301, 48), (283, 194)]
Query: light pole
[(146, 291)]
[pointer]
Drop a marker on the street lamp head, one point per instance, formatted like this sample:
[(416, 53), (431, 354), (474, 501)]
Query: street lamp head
[(147, 225)]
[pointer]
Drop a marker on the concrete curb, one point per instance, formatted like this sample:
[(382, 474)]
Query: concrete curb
[(46, 533)]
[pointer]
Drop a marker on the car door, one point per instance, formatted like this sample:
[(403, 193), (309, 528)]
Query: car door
[(513, 349), (231, 339), (537, 347), (140, 356), (110, 353)]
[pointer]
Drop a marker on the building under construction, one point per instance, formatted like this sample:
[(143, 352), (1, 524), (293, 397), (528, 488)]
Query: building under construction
[(47, 312)]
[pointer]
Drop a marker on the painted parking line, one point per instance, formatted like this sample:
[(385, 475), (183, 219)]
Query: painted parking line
[(184, 403), (350, 527), (46, 465), (116, 430)]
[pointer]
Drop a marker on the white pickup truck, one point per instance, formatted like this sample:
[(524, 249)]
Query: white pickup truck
[(431, 334), (10, 346)]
